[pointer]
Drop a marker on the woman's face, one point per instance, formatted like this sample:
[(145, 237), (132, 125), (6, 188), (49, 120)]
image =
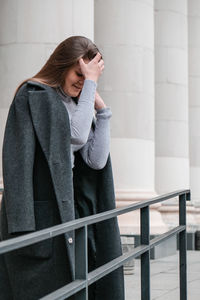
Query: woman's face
[(74, 80)]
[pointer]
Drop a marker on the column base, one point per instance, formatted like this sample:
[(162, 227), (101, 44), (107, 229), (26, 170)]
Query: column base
[(170, 215), (130, 223)]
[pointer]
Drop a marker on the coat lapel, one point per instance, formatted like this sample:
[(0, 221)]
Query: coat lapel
[(51, 124)]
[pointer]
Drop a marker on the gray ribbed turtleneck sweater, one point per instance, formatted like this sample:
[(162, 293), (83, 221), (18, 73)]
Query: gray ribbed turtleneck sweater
[(94, 145)]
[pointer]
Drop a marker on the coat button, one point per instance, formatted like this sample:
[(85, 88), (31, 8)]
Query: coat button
[(70, 240)]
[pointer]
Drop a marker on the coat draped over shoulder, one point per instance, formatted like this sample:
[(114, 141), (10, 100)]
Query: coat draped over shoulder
[(41, 190)]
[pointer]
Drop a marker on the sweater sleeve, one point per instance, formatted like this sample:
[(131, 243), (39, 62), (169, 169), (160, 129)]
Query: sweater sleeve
[(82, 117), (95, 152)]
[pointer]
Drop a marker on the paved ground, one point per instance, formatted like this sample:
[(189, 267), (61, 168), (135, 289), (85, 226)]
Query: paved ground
[(165, 278)]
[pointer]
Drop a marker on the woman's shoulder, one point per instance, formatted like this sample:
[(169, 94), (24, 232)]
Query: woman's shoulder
[(21, 97), (36, 85), (31, 86), (26, 91)]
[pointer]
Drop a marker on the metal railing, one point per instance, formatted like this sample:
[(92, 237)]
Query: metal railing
[(83, 278)]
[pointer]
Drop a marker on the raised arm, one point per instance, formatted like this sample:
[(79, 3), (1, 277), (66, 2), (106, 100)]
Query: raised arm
[(95, 152), (82, 116)]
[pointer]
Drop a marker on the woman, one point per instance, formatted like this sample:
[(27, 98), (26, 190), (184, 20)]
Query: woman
[(56, 167)]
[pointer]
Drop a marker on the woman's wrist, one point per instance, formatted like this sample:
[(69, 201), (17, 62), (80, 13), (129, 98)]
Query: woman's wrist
[(104, 113), (91, 78), (99, 103), (98, 107)]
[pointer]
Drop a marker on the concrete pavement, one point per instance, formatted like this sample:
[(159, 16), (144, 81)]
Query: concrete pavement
[(165, 278)]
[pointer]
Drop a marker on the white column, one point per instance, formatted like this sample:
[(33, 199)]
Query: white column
[(29, 32), (171, 94), (194, 101), (127, 86), (171, 109)]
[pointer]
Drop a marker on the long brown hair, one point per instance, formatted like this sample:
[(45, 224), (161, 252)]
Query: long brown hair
[(66, 55)]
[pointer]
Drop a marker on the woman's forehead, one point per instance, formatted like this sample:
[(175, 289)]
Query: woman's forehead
[(77, 68)]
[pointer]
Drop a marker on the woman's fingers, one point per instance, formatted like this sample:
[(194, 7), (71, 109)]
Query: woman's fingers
[(96, 58), (101, 63), (93, 69), (99, 103), (81, 63)]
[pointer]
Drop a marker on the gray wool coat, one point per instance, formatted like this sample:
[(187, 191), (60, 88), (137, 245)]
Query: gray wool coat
[(40, 190)]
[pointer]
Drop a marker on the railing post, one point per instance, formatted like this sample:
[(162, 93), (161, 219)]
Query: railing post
[(81, 260), (182, 248), (145, 258)]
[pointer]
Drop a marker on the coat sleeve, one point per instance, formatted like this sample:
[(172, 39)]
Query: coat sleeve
[(18, 160)]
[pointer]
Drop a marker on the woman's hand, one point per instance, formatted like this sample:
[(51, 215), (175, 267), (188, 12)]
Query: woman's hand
[(99, 103), (93, 69)]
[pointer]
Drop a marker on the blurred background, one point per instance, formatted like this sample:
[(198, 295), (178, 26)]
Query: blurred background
[(151, 82)]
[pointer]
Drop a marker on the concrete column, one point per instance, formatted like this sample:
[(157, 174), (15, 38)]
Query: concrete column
[(29, 32), (171, 108), (127, 86), (194, 101)]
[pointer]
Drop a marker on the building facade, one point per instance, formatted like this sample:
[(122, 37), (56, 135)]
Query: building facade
[(151, 82)]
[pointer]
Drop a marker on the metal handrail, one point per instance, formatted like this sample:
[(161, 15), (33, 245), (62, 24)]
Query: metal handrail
[(84, 279)]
